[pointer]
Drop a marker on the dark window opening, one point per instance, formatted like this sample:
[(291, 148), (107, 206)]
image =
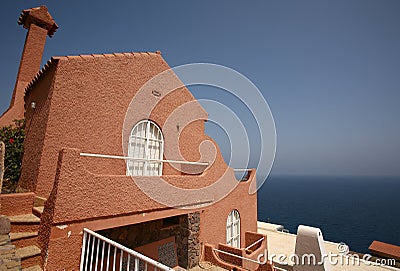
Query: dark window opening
[(170, 221)]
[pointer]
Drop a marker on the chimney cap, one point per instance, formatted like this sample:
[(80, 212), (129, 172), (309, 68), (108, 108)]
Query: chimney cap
[(39, 16)]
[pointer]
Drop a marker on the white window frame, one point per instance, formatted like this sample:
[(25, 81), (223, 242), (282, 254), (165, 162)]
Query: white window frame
[(233, 229), (148, 162)]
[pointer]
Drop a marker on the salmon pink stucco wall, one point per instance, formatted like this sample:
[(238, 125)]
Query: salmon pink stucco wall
[(85, 107), (16, 204), (81, 106), (213, 219), (36, 125), (81, 199)]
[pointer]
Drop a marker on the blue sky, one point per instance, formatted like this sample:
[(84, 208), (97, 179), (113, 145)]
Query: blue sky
[(330, 70)]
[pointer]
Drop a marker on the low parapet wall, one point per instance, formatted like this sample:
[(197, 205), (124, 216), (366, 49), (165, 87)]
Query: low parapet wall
[(16, 204), (232, 258)]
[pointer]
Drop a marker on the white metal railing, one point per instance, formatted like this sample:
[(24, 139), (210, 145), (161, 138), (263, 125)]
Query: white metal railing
[(143, 159), (101, 253), (255, 243)]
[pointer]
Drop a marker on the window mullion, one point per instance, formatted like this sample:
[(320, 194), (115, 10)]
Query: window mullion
[(146, 149)]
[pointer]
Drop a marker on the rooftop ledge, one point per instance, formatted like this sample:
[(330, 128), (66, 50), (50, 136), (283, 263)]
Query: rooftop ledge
[(283, 243)]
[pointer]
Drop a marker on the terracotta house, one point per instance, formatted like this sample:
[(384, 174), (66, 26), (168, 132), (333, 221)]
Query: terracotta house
[(107, 151)]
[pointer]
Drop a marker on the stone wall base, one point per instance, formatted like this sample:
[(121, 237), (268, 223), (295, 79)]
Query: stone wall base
[(8, 260)]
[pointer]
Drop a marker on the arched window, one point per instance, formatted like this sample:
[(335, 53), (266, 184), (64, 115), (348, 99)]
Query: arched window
[(146, 144), (233, 229)]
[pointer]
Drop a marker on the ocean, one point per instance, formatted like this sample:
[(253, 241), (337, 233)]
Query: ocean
[(353, 210)]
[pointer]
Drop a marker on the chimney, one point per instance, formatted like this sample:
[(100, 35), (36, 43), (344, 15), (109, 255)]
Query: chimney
[(39, 23)]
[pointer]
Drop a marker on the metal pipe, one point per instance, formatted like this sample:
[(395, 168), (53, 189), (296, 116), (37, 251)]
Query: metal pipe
[(256, 242), (142, 159)]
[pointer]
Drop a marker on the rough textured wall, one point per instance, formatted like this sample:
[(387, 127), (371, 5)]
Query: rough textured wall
[(103, 197), (16, 203), (88, 102), (84, 103), (36, 125), (31, 56), (214, 218)]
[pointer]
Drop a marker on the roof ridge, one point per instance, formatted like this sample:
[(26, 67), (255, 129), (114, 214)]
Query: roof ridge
[(84, 57), (113, 54)]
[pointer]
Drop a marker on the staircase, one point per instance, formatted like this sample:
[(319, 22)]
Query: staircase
[(24, 235)]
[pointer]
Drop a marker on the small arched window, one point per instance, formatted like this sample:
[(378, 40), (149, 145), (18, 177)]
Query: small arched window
[(233, 229), (146, 145)]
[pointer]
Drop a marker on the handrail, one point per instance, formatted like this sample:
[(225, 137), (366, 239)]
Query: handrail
[(142, 159), (255, 243)]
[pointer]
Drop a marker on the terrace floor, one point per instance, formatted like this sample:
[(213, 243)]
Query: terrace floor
[(284, 243)]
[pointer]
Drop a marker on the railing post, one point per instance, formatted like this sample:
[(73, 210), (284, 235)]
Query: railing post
[(108, 257), (136, 264), (97, 254), (91, 253), (120, 260), (83, 250), (102, 255), (115, 258)]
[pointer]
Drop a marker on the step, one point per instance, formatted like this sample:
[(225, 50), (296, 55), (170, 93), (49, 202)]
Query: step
[(30, 256), (39, 201), (22, 235), (24, 223), (38, 211), (28, 218), (23, 239), (33, 268), (27, 252)]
